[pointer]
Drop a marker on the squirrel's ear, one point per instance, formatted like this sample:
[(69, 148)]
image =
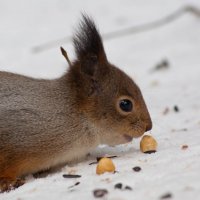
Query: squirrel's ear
[(88, 46)]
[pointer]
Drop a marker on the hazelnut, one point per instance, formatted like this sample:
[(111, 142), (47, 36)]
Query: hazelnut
[(148, 144), (105, 165)]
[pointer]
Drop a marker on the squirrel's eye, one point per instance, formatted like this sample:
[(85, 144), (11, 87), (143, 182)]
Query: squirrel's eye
[(126, 105)]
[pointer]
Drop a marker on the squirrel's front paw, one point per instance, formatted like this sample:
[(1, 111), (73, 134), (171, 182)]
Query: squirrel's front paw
[(7, 184)]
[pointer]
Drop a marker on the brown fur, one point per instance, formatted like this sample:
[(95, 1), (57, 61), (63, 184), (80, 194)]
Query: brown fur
[(45, 123)]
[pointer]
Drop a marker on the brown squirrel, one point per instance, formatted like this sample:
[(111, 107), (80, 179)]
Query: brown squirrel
[(45, 123)]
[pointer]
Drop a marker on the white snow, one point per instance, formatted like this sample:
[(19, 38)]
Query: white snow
[(27, 24)]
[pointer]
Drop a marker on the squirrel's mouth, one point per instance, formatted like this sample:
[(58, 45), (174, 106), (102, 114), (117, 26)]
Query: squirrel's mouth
[(128, 138)]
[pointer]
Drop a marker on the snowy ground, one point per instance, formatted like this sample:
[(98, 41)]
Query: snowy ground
[(27, 24)]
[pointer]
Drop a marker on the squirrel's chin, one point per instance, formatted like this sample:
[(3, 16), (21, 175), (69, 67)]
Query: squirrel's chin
[(123, 140)]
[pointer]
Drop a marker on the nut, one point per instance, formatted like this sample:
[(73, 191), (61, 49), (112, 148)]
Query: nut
[(148, 144), (105, 165)]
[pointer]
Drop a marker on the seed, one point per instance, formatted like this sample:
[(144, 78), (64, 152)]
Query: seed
[(148, 144), (77, 183), (137, 169), (105, 165), (166, 111), (71, 176), (100, 193), (166, 196), (164, 64), (128, 188), (118, 186), (184, 147), (176, 109)]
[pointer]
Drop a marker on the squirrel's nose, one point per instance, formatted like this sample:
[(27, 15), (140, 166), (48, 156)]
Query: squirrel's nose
[(149, 126)]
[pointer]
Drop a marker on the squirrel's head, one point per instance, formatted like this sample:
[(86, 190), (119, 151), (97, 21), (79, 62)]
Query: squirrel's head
[(104, 94)]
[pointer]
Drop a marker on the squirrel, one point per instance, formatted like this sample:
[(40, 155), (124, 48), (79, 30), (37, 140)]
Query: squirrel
[(45, 123)]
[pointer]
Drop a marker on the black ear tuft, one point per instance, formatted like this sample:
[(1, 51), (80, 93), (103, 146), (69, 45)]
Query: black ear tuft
[(88, 43)]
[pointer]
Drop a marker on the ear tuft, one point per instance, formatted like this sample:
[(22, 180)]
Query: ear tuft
[(87, 41)]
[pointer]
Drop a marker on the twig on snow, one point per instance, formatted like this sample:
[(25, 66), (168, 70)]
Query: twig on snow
[(127, 31)]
